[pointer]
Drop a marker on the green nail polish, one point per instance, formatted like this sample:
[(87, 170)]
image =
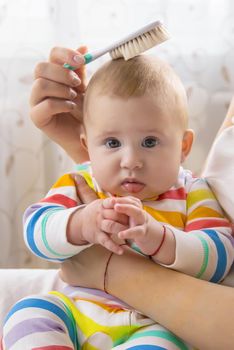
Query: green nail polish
[(68, 66)]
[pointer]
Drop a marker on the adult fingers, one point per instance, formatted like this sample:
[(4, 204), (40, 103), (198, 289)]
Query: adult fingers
[(74, 58), (54, 72), (46, 88), (84, 192), (61, 55), (42, 113), (81, 71)]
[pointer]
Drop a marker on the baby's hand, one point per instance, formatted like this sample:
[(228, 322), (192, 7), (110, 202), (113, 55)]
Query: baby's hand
[(101, 224), (144, 231)]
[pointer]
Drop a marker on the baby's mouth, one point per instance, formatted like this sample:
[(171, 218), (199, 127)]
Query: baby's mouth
[(132, 185)]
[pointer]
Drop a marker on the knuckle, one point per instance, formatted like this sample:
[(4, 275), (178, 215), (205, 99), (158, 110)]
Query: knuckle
[(104, 240), (110, 225), (34, 118), (139, 203), (71, 76), (50, 104), (53, 51), (40, 69), (41, 84)]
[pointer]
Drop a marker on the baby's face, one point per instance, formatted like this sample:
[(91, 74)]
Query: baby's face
[(135, 147)]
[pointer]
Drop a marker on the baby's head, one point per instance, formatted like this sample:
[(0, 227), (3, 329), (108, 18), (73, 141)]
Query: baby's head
[(135, 126)]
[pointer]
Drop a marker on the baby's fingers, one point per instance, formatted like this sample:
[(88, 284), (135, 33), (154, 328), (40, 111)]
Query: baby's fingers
[(112, 227), (108, 203), (104, 240), (135, 213), (129, 200), (133, 233)]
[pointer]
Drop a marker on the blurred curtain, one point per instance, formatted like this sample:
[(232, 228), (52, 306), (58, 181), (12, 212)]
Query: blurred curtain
[(29, 161), (201, 50)]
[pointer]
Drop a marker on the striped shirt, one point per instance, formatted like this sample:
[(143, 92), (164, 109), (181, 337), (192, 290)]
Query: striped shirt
[(204, 243)]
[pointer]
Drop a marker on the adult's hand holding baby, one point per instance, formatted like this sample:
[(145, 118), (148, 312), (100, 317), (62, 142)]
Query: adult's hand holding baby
[(87, 269), (57, 99)]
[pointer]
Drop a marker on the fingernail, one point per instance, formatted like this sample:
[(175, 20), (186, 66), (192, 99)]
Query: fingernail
[(72, 105), (79, 59), (78, 179), (75, 80), (73, 94), (75, 178)]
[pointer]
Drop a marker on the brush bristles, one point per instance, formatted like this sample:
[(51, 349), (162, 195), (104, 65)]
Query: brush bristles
[(141, 43)]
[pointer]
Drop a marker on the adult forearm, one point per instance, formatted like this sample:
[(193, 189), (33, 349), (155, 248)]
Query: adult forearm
[(197, 311)]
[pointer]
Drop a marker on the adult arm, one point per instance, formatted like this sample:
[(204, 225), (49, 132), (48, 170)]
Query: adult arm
[(198, 311), (219, 168), (228, 121)]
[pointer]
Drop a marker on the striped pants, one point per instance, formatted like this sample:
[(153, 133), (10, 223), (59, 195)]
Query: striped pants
[(55, 322)]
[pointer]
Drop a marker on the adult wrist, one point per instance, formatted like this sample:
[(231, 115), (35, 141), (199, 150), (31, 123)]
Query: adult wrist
[(105, 275), (119, 269)]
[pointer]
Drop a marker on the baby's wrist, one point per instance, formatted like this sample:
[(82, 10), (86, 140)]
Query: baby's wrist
[(165, 252), (160, 243), (74, 228)]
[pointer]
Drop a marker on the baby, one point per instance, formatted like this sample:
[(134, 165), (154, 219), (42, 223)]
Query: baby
[(136, 133)]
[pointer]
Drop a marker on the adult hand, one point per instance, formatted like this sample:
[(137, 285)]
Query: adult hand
[(89, 268), (57, 97), (86, 269)]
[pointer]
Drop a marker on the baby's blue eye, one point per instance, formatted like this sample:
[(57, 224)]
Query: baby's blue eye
[(112, 143), (150, 142)]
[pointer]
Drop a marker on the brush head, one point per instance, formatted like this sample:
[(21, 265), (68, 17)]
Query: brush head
[(141, 43)]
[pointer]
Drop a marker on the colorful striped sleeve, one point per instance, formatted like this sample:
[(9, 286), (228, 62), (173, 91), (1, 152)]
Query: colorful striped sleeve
[(45, 223), (206, 249)]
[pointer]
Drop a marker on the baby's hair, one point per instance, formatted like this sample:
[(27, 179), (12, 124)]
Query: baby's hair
[(141, 75)]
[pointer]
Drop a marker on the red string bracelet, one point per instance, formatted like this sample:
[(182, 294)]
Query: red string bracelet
[(106, 270), (161, 243)]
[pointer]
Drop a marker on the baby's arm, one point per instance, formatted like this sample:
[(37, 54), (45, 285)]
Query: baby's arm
[(45, 222), (204, 250), (59, 226), (150, 236)]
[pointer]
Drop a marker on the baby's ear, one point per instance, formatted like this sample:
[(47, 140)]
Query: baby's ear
[(83, 139), (187, 144)]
